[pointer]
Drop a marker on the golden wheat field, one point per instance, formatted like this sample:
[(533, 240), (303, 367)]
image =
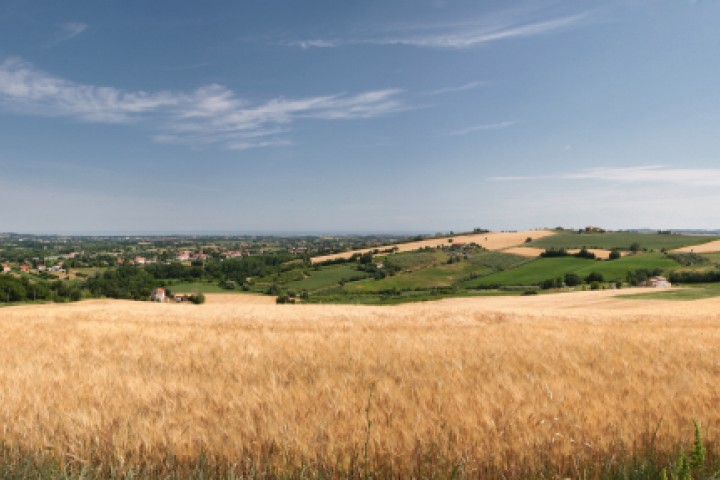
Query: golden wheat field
[(498, 384)]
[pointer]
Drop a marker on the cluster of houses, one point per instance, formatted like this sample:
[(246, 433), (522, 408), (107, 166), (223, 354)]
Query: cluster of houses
[(57, 268)]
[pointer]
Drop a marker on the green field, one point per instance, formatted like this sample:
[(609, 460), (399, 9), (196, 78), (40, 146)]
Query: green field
[(439, 276), (534, 272), (621, 240), (694, 292), (545, 268), (198, 287), (437, 272), (325, 278)]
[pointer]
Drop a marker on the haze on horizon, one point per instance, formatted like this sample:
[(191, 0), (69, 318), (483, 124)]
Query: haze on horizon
[(322, 116)]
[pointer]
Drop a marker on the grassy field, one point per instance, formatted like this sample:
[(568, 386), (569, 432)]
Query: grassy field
[(621, 240), (326, 277), (197, 287), (438, 276), (544, 268), (426, 270), (689, 292), (551, 386)]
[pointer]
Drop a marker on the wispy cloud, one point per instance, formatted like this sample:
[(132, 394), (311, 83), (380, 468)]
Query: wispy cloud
[(457, 88), (458, 36), (481, 127), (305, 44), (69, 30), (691, 177), (212, 114)]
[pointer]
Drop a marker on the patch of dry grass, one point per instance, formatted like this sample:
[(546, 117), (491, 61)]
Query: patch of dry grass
[(497, 385)]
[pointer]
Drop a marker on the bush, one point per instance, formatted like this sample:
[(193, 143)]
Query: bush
[(594, 277), (552, 253), (198, 298), (282, 299), (584, 253), (614, 254), (572, 279)]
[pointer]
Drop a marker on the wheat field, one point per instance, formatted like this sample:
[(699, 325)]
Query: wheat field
[(497, 386)]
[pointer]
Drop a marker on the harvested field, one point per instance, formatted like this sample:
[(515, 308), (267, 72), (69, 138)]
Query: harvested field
[(525, 251), (498, 385), (709, 247), (491, 241)]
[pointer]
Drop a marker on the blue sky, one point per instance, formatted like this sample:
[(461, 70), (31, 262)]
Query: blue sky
[(330, 116)]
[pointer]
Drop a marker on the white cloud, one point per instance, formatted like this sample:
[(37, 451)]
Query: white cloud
[(212, 114), (472, 36), (493, 28), (481, 127), (69, 30), (458, 88), (691, 177)]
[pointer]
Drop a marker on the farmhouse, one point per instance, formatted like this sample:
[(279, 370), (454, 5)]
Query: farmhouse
[(6, 268), (658, 282), (158, 295)]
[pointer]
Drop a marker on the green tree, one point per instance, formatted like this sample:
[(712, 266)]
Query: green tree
[(572, 279)]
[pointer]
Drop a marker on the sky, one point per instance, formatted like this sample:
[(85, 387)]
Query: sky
[(333, 116)]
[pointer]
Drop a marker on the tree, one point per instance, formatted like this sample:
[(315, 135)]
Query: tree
[(634, 247), (572, 279), (614, 254), (594, 277), (198, 298)]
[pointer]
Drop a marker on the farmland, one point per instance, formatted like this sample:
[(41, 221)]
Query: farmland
[(568, 385), (300, 269), (621, 240)]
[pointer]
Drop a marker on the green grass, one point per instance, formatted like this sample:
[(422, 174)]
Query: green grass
[(621, 240), (714, 257), (438, 276), (536, 271), (533, 272), (325, 278), (414, 260), (695, 292), (617, 269), (198, 287), (408, 296)]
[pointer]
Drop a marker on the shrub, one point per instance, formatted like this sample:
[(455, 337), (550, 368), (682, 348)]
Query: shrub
[(572, 279), (282, 299), (198, 298), (584, 253), (594, 277)]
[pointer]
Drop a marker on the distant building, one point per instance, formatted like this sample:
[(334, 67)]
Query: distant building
[(658, 282), (158, 295), (6, 268)]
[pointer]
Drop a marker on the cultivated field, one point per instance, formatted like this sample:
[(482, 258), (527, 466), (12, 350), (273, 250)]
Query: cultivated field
[(491, 241), (556, 385), (709, 247)]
